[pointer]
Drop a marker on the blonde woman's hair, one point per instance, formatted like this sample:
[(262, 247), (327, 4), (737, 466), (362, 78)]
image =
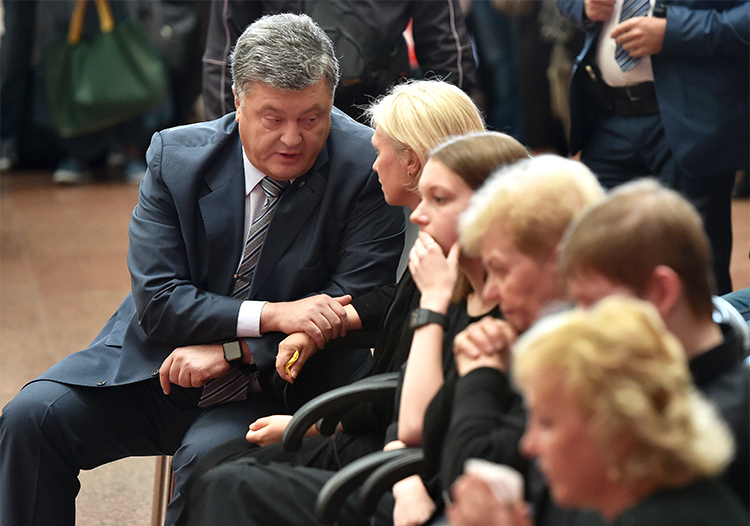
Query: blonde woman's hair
[(640, 226), (420, 114), (534, 200), (629, 377)]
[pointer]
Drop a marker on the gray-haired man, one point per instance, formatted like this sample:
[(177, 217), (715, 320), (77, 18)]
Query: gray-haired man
[(213, 292)]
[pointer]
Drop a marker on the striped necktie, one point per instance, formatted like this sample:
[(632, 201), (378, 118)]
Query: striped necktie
[(630, 9), (256, 235), (233, 385)]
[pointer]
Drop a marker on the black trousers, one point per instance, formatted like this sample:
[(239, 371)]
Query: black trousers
[(239, 483), (626, 148)]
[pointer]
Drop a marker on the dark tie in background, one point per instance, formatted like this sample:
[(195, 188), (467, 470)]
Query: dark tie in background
[(233, 385), (630, 9)]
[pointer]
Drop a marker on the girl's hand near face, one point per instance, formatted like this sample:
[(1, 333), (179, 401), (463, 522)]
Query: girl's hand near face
[(434, 273)]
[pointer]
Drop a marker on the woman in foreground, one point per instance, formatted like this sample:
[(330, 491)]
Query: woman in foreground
[(615, 425)]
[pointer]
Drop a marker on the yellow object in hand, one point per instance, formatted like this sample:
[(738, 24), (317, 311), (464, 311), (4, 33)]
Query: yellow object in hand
[(291, 361)]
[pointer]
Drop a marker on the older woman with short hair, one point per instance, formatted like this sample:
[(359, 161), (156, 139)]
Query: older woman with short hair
[(616, 424)]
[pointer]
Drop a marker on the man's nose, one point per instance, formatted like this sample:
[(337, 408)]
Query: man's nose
[(291, 135)]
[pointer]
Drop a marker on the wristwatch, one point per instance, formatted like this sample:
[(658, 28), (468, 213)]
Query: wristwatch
[(233, 353), (420, 317)]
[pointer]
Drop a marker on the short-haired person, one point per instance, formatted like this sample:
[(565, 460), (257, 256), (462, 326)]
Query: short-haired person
[(647, 241), (410, 120), (237, 491), (515, 222), (198, 281), (615, 423)]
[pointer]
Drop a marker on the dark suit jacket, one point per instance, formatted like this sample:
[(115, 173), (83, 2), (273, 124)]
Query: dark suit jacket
[(332, 232), (701, 78)]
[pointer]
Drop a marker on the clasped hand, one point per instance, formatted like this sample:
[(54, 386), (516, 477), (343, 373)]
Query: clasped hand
[(321, 317), (473, 503), (485, 343), (192, 366)]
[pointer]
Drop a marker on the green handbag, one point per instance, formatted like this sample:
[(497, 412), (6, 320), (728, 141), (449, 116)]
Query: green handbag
[(98, 83)]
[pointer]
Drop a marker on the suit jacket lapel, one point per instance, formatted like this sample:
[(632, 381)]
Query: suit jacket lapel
[(223, 212), (291, 214)]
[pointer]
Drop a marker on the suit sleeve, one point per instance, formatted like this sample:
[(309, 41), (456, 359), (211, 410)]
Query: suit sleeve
[(171, 308), (442, 44), (706, 33), (574, 11), (371, 243), (367, 255), (371, 307)]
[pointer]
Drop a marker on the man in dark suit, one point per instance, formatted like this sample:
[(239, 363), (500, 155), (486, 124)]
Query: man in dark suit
[(677, 111), (135, 390)]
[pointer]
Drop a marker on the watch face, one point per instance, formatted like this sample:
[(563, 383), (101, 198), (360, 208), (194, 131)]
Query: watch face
[(232, 351)]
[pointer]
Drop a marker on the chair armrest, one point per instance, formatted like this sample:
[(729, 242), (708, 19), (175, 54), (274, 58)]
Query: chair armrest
[(346, 480), (329, 407), (384, 477), (725, 312)]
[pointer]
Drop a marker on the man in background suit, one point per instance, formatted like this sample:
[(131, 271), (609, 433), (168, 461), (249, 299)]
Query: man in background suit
[(442, 45), (135, 390), (680, 113)]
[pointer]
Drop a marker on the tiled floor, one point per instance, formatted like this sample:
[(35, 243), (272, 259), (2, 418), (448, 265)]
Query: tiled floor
[(63, 273)]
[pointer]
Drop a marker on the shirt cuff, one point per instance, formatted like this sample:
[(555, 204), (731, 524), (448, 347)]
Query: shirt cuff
[(248, 319)]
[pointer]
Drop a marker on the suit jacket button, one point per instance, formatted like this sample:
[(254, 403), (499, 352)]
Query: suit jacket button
[(154, 372), (100, 383)]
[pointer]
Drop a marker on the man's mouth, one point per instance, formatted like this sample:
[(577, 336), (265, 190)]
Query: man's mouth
[(289, 155)]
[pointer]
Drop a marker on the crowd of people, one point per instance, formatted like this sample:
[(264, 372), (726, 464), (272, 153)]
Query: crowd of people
[(548, 314)]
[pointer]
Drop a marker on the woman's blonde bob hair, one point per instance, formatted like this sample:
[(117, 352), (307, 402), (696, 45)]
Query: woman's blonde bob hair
[(420, 114), (629, 378)]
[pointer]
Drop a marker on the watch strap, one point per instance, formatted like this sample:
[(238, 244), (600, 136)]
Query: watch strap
[(420, 317)]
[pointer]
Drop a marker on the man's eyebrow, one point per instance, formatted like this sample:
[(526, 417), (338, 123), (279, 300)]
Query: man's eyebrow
[(270, 107)]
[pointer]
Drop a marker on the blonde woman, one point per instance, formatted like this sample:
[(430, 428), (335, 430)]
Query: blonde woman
[(616, 423)]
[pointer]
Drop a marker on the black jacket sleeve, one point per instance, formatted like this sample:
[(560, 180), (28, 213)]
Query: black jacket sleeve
[(487, 422)]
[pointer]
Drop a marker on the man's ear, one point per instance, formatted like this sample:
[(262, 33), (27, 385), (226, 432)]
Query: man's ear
[(664, 289), (236, 99)]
